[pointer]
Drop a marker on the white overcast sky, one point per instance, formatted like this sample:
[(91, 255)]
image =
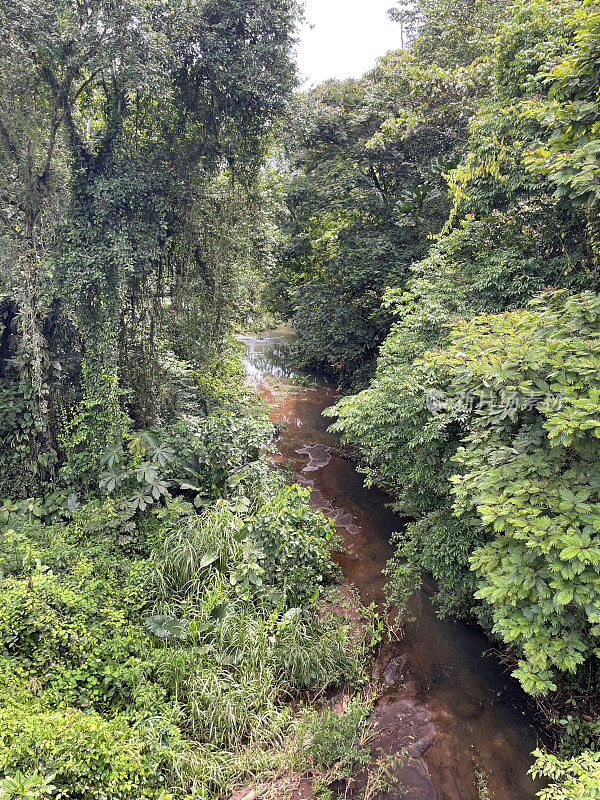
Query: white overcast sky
[(344, 38)]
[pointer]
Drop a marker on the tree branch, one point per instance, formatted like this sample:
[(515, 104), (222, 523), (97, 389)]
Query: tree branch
[(376, 181), (9, 142), (60, 93), (43, 176), (86, 83)]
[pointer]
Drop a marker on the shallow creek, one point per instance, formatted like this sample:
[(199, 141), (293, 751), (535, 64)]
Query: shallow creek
[(445, 666)]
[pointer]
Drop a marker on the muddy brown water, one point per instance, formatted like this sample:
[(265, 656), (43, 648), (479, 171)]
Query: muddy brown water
[(479, 711)]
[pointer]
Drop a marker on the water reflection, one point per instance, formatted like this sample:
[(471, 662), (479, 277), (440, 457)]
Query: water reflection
[(270, 354)]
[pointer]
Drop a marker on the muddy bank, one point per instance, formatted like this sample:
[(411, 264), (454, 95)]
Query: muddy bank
[(440, 669)]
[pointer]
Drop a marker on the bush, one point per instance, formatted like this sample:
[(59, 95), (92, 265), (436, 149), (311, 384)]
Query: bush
[(502, 421), (30, 787), (88, 756), (336, 740), (528, 473), (293, 542), (215, 663), (577, 777), (75, 643)]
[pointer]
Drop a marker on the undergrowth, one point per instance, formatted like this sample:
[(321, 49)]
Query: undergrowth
[(171, 652)]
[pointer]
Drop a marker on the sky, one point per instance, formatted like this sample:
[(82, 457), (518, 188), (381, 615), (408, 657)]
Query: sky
[(344, 38)]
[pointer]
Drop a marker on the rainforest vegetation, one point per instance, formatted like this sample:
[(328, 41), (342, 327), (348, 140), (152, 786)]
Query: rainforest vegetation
[(432, 230), (159, 579), (441, 258)]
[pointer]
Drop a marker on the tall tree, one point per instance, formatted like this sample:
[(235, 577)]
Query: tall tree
[(144, 111)]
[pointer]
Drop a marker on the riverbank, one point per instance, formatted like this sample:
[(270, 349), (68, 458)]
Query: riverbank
[(482, 735)]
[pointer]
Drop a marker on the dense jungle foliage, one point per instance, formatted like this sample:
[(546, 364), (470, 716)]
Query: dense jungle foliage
[(433, 230), (161, 585), (441, 257)]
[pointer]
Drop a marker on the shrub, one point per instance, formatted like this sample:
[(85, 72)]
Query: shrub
[(577, 777), (73, 641), (336, 739), (29, 787), (89, 757), (528, 473), (511, 432), (293, 542)]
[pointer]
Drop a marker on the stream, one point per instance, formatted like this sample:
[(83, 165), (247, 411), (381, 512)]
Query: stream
[(445, 666)]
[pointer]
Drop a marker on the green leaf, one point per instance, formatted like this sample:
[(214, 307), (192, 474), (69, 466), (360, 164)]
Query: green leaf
[(165, 627), (208, 559)]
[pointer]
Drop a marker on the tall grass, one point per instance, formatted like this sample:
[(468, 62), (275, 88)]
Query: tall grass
[(179, 575), (239, 678), (244, 659)]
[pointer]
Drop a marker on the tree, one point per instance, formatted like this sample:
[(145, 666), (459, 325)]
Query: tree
[(145, 117), (367, 190), (570, 115), (449, 32), (528, 473), (509, 237)]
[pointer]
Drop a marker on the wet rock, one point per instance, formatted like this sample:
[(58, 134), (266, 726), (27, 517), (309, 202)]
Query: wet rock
[(345, 520), (317, 500), (393, 673), (413, 784), (452, 786), (404, 724), (318, 454), (303, 481)]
